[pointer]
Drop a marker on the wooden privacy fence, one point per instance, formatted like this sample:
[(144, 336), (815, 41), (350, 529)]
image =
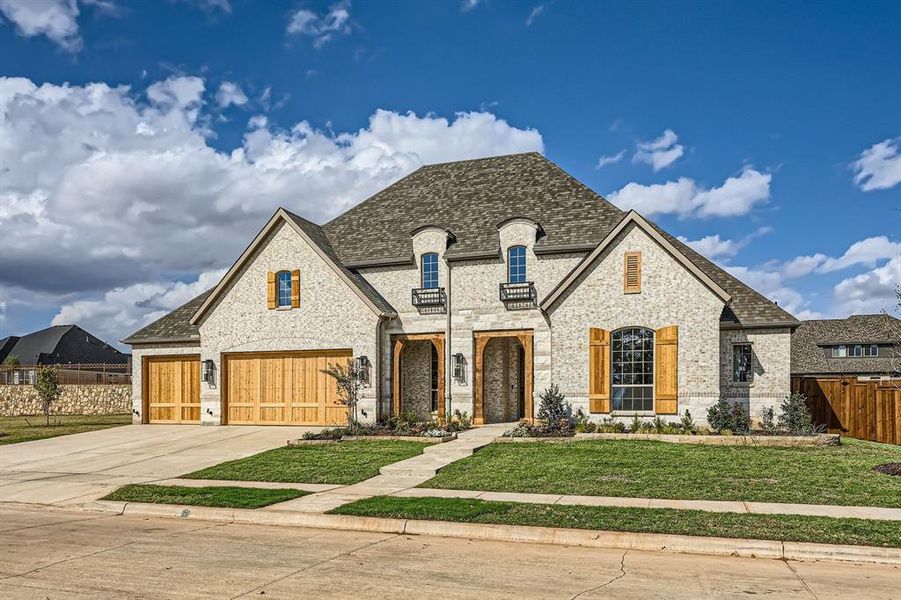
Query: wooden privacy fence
[(866, 410), (69, 374)]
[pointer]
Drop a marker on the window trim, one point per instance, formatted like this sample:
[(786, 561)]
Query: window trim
[(278, 289), (870, 348), (525, 270), (652, 386), (422, 271), (750, 380), (836, 351)]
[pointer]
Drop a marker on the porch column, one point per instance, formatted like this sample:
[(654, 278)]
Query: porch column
[(397, 350), (528, 346), (438, 342), (478, 400)]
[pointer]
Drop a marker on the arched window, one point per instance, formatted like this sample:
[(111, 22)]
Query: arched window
[(632, 369), (283, 283), (430, 270), (516, 264)]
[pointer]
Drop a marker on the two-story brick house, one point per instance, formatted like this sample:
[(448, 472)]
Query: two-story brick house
[(468, 286)]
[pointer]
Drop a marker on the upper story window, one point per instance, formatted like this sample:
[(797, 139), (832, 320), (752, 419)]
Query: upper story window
[(741, 363), (872, 350), (516, 264), (856, 350), (839, 351), (283, 283), (430, 270)]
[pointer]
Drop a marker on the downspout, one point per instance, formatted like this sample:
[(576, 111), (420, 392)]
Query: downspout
[(448, 354), (378, 366)]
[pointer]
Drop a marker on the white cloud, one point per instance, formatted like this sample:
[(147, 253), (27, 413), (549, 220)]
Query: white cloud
[(879, 166), (865, 252), (610, 159), (534, 14), (130, 308), (714, 247), (737, 196), (323, 27), (659, 153), (870, 292), (107, 187), (772, 285), (468, 5), (56, 19), (230, 93)]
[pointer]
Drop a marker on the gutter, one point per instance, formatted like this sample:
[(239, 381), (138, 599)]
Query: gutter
[(160, 340), (563, 248), (764, 325)]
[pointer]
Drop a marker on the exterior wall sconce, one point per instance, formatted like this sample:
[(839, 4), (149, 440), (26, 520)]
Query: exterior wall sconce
[(361, 366), (208, 372), (459, 364)]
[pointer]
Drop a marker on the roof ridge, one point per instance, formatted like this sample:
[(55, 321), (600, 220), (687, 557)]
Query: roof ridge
[(481, 158)]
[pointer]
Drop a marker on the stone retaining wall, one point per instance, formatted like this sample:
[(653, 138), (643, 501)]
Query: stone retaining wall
[(19, 400)]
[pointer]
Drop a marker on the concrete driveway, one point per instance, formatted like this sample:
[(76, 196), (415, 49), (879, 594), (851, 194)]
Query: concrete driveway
[(77, 468)]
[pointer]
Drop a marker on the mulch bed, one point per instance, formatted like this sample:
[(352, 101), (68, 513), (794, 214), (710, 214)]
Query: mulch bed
[(889, 469)]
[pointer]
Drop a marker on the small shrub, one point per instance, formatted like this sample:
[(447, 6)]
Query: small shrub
[(741, 420), (553, 407), (635, 425), (795, 417), (582, 423), (658, 424), (719, 416), (768, 421), (461, 421), (687, 424), (609, 425), (646, 428)]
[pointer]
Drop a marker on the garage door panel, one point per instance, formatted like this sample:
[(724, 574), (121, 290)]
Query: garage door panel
[(172, 389), (283, 388)]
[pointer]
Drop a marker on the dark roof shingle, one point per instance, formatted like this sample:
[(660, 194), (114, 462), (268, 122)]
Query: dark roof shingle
[(176, 326), (809, 358)]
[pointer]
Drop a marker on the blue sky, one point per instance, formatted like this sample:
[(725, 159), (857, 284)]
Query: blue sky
[(773, 126)]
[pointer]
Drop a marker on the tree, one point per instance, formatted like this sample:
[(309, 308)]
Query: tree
[(350, 381), (11, 361), (48, 388)]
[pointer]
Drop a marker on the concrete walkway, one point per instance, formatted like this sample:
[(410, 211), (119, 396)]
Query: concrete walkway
[(759, 508), (398, 476)]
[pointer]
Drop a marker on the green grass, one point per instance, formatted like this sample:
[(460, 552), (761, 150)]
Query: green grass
[(809, 475), (25, 429), (343, 463), (220, 497), (793, 528)]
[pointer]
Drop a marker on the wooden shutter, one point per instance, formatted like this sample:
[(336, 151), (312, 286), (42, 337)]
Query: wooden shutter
[(598, 370), (271, 291), (632, 272), (666, 370), (295, 288)]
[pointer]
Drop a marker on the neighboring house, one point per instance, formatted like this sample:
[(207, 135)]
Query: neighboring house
[(60, 344), (862, 346), (468, 286)]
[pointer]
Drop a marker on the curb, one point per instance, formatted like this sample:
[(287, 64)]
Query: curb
[(683, 544)]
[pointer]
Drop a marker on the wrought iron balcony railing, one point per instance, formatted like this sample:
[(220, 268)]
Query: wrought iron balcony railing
[(518, 292), (424, 297)]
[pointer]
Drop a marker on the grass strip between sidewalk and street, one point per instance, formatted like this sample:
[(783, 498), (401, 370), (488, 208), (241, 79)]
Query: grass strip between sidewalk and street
[(219, 497), (786, 528), (838, 475), (342, 463), (25, 429)]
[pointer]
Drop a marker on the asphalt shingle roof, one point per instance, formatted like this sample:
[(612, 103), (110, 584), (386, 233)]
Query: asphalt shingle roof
[(470, 198), (808, 357)]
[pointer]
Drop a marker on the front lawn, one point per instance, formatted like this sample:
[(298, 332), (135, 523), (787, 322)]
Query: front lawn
[(642, 469), (343, 463), (220, 497), (25, 429), (639, 520)]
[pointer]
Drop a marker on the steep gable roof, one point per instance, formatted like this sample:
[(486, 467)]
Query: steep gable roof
[(809, 357), (313, 234), (59, 344), (173, 327)]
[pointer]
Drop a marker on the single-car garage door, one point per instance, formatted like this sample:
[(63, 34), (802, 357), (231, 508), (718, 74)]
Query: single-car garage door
[(171, 389), (282, 388)]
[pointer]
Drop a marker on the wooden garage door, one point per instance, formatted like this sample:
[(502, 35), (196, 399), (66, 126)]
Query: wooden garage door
[(172, 389), (282, 388)]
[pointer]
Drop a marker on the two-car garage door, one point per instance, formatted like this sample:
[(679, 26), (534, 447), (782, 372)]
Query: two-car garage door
[(268, 388), (281, 388)]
